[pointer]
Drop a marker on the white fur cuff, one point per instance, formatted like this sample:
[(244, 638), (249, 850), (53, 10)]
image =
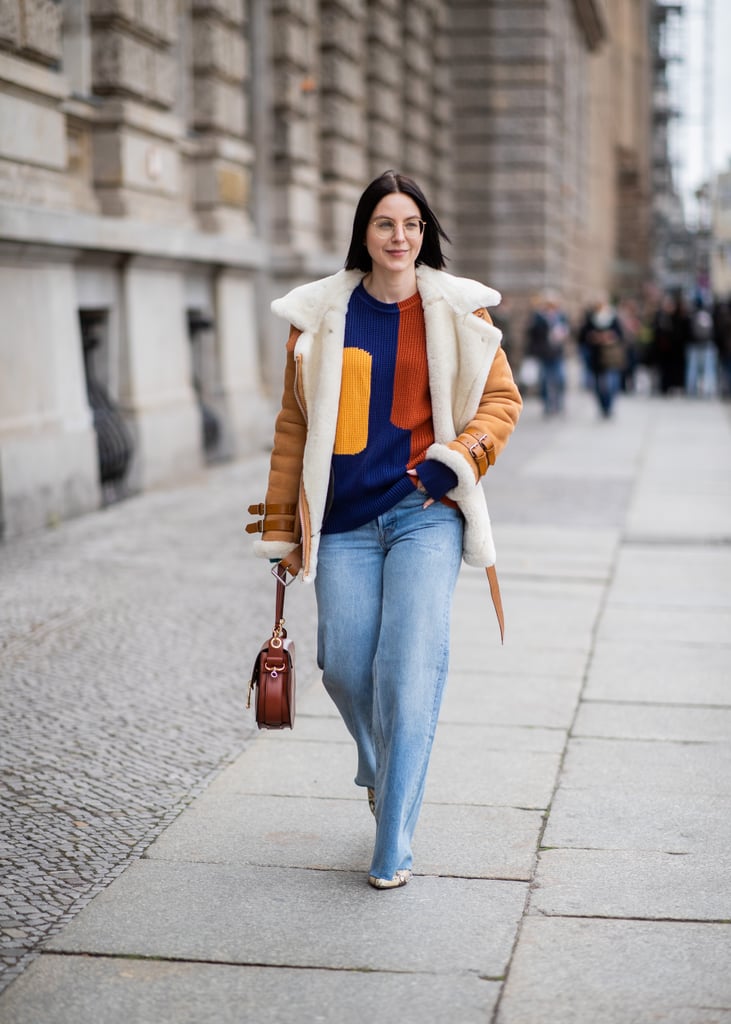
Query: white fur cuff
[(466, 481), (273, 548)]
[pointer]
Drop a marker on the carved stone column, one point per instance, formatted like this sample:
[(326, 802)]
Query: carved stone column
[(416, 57), (442, 190), (342, 124), (296, 219), (384, 83), (48, 467), (156, 378), (137, 160), (33, 139), (222, 153)]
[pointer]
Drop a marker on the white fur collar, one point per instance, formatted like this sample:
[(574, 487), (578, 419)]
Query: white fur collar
[(461, 293), (304, 307)]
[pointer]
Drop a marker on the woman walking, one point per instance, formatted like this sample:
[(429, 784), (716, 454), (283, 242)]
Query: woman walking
[(397, 398), (602, 336)]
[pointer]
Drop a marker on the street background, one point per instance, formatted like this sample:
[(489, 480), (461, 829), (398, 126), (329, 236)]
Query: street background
[(164, 862)]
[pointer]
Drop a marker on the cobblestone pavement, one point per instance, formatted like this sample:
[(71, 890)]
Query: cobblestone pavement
[(125, 640)]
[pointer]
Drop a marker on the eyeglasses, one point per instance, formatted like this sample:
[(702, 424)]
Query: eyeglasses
[(384, 227)]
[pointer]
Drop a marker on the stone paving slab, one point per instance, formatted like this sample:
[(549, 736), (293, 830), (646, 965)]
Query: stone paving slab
[(466, 842), (652, 722), (593, 449), (671, 672), (456, 730), (636, 765), (243, 829), (281, 765), (465, 736), (533, 701), (626, 624), (554, 552), (634, 884), (552, 613), (501, 707), (618, 972), (523, 653), (700, 507), (664, 821), (319, 728), (706, 510), (669, 576), (477, 842), (86, 990), (295, 918), (469, 774)]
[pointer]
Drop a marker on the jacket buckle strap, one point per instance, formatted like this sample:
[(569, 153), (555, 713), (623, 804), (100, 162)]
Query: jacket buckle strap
[(476, 451), (281, 524), (279, 518), (266, 508), (487, 447), (278, 524), (481, 449), (478, 454)]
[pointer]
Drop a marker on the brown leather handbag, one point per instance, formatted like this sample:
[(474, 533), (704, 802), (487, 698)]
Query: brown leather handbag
[(273, 671)]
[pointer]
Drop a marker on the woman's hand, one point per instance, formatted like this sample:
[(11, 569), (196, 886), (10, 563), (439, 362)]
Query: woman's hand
[(420, 487)]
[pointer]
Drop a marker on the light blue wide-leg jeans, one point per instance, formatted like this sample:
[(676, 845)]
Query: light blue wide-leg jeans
[(384, 596)]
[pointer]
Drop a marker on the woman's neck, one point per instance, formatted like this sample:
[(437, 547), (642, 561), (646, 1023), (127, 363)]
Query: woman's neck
[(390, 287)]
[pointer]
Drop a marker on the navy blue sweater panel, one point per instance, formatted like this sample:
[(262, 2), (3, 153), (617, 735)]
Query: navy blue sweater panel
[(369, 483)]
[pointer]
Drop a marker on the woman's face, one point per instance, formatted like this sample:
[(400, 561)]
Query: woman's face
[(395, 247)]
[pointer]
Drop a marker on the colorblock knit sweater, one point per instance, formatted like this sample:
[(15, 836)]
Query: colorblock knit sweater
[(385, 416)]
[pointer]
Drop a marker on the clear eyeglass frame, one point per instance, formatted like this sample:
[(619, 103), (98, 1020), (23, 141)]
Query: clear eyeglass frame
[(384, 227)]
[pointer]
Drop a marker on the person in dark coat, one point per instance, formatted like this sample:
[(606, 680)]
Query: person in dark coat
[(548, 332), (672, 330), (722, 338), (601, 336)]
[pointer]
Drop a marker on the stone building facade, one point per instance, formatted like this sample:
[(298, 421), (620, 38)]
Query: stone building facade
[(168, 166), (552, 114), (721, 234)]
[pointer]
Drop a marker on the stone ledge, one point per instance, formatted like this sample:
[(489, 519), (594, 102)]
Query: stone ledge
[(112, 234), (33, 78)]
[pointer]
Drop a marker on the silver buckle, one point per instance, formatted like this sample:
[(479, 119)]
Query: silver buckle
[(285, 582)]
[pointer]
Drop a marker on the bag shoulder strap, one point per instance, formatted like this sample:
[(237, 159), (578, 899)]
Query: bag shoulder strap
[(280, 576)]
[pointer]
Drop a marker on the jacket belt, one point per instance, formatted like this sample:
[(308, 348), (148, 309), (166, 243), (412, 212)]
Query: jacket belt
[(481, 448), (277, 518), (496, 600), (264, 508)]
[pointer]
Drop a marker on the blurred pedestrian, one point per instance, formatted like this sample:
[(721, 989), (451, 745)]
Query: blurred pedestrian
[(397, 399), (601, 334), (722, 338), (671, 332), (547, 334), (700, 354), (631, 322)]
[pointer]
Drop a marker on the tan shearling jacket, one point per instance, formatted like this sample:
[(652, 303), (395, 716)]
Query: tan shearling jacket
[(475, 407)]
